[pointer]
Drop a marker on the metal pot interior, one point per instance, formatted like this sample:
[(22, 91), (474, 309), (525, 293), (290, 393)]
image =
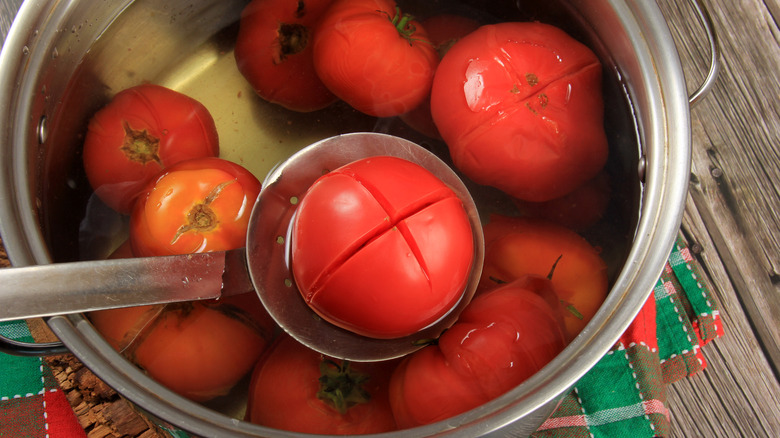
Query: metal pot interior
[(75, 56)]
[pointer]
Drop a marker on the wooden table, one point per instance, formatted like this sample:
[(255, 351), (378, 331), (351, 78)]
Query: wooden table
[(732, 217)]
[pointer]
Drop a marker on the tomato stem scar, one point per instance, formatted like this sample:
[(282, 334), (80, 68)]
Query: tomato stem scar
[(140, 146), (543, 100), (291, 39), (340, 386), (201, 217)]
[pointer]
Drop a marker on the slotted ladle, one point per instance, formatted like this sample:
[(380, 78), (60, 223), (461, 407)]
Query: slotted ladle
[(263, 265)]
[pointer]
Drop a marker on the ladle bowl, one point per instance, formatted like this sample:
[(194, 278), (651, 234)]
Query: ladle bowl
[(64, 288), (271, 269)]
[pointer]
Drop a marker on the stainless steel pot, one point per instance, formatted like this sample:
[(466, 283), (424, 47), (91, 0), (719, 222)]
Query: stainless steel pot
[(58, 65)]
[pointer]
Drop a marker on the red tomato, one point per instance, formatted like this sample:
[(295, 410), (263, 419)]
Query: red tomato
[(273, 52), (200, 349), (141, 131), (578, 210), (381, 247), (374, 57), (501, 338), (443, 31), (516, 247), (520, 107), (297, 389), (194, 206)]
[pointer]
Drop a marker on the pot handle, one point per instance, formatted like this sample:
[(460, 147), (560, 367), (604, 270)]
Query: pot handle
[(706, 21)]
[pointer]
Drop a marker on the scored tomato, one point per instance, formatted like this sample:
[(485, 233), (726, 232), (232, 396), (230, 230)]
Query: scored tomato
[(520, 108), (141, 131), (515, 247), (194, 206), (199, 350), (502, 338), (296, 389), (274, 52), (381, 247), (374, 57)]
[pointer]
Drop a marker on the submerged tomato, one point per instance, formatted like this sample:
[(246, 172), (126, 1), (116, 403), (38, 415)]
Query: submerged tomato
[(297, 389), (374, 57), (520, 107), (515, 247), (194, 206), (273, 52), (199, 350), (381, 247), (502, 337), (141, 131)]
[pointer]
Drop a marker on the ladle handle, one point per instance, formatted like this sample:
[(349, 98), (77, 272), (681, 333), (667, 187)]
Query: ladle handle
[(64, 288)]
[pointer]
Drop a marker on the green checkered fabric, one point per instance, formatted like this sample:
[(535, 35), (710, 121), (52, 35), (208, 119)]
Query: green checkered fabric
[(624, 395), (31, 403)]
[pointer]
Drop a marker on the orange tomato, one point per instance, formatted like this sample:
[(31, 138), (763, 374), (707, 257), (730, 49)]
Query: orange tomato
[(515, 247), (198, 350), (194, 206)]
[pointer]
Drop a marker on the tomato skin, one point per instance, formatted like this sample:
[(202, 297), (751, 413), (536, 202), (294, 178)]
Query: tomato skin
[(274, 52), (182, 127), (515, 247), (502, 337), (361, 56), (381, 247), (520, 107), (283, 394), (160, 217)]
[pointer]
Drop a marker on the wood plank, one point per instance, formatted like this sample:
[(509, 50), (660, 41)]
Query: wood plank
[(736, 169), (732, 215)]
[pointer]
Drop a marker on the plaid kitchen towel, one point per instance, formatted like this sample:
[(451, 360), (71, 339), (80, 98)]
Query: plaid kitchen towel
[(624, 395), (31, 402)]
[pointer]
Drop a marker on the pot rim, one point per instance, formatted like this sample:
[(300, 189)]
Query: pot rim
[(664, 125)]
